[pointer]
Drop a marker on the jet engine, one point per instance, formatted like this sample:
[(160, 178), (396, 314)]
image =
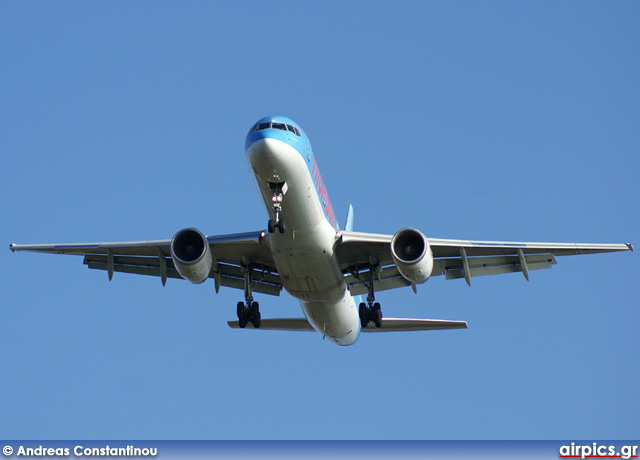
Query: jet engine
[(412, 255), (191, 255)]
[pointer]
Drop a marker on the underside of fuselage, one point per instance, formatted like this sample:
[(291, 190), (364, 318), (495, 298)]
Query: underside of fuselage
[(304, 252)]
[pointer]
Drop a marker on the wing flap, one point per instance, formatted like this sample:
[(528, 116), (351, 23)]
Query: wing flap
[(384, 278), (134, 269), (265, 282), (482, 266), (384, 285)]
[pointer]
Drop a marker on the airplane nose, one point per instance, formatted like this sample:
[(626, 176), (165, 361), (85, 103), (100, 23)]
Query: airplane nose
[(266, 151), (256, 136)]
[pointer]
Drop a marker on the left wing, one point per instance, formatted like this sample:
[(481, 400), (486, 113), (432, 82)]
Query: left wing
[(233, 253), (358, 252)]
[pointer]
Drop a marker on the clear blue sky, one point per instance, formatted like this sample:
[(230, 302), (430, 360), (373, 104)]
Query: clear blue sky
[(478, 120)]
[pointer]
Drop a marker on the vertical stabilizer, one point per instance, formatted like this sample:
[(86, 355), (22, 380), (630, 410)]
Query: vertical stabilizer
[(348, 226)]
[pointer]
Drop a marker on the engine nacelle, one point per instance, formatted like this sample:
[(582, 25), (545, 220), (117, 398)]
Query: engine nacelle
[(412, 255), (191, 255)]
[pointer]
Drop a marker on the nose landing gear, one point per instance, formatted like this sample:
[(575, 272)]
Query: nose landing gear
[(278, 189), (276, 223)]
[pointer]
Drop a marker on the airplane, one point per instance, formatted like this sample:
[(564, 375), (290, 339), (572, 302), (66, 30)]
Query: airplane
[(304, 251)]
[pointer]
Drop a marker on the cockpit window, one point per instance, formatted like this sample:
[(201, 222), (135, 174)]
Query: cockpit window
[(274, 125), (294, 130)]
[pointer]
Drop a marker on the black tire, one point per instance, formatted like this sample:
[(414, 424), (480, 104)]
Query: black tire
[(377, 315), (362, 311), (255, 314), (271, 226), (281, 226), (242, 319)]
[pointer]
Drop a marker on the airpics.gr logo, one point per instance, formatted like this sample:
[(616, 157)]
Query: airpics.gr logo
[(595, 450)]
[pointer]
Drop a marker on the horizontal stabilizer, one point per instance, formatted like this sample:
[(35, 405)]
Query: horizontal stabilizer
[(278, 324), (388, 325), (410, 324)]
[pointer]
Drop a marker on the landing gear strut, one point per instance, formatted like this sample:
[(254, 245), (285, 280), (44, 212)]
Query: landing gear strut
[(371, 312), (248, 311), (277, 192)]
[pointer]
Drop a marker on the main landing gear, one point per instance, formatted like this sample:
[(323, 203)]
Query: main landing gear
[(371, 312), (277, 192), (248, 311)]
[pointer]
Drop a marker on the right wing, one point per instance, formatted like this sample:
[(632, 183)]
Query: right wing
[(232, 253), (358, 251)]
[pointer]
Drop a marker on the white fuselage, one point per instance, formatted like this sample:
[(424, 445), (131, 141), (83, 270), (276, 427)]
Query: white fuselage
[(304, 254)]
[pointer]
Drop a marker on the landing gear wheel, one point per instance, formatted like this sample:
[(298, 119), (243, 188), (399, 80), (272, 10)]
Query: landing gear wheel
[(255, 315), (271, 226), (377, 314), (281, 226), (362, 311), (242, 319)]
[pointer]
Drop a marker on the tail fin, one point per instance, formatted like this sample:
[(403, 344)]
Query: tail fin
[(348, 226)]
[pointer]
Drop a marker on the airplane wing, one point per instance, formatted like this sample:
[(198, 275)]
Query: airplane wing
[(278, 324), (454, 259), (153, 258), (388, 325)]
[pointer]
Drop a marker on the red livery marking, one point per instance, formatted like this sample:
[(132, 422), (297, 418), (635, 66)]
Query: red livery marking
[(323, 195)]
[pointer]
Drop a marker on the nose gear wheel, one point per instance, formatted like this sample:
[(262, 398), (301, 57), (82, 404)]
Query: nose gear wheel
[(272, 225), (277, 193)]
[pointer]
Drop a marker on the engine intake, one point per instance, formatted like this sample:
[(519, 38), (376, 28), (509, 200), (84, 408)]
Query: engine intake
[(412, 255), (191, 255)]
